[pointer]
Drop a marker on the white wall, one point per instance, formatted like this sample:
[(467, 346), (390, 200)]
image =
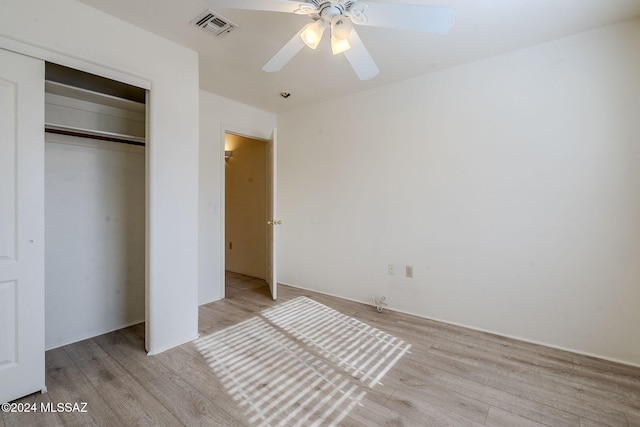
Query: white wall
[(509, 184), (89, 37), (95, 237), (217, 115)]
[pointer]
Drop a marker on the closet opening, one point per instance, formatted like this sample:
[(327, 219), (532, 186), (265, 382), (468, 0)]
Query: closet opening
[(95, 205)]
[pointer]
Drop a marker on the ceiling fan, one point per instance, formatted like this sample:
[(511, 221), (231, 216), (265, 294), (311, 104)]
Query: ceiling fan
[(339, 16)]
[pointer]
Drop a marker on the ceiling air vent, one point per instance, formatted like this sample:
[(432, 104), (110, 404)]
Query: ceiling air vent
[(213, 23)]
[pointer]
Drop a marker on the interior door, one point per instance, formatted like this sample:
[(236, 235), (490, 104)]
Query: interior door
[(21, 226), (273, 222)]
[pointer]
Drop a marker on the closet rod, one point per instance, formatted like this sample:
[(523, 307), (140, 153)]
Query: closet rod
[(67, 132)]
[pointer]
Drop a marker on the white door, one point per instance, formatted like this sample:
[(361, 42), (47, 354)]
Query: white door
[(273, 222), (21, 226)]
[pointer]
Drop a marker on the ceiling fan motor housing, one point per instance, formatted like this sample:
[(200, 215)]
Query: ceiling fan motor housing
[(325, 10)]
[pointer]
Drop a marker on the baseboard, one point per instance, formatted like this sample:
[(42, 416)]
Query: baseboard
[(473, 328), (155, 351), (92, 335)]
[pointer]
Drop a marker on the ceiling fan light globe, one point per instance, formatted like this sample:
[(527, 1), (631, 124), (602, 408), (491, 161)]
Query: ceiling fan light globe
[(339, 45), (312, 34), (341, 27)]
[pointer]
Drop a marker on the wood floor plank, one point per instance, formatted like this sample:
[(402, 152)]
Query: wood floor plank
[(534, 352), (585, 422), (424, 399), (475, 357), (57, 358), (615, 370), (212, 319), (252, 305), (421, 336), (230, 292), (371, 413), (245, 285), (423, 412), (69, 385), (603, 376), (184, 402), (134, 404), (633, 420), (541, 395), (33, 419), (95, 363), (599, 391), (566, 384), (195, 371), (411, 372), (482, 350), (499, 418)]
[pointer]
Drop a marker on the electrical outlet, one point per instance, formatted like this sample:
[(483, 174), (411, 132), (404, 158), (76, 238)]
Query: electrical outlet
[(409, 271), (391, 269)]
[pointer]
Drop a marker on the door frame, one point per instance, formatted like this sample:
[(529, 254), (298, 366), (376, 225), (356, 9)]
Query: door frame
[(121, 76), (240, 131)]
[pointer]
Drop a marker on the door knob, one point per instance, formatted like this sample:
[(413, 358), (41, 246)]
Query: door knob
[(274, 222)]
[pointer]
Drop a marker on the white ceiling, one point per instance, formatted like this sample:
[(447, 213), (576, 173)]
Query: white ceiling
[(230, 66)]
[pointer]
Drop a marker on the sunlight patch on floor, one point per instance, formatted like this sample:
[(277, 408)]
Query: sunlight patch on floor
[(295, 364), (365, 352)]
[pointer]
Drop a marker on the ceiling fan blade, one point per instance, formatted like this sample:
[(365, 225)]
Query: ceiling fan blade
[(264, 5), (427, 19), (284, 55), (359, 58)]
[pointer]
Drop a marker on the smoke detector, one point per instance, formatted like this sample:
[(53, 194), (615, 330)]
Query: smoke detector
[(213, 23)]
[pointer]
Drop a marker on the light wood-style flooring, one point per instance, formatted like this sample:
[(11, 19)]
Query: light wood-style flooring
[(451, 376)]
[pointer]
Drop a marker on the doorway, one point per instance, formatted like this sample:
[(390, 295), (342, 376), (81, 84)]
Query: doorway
[(245, 214)]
